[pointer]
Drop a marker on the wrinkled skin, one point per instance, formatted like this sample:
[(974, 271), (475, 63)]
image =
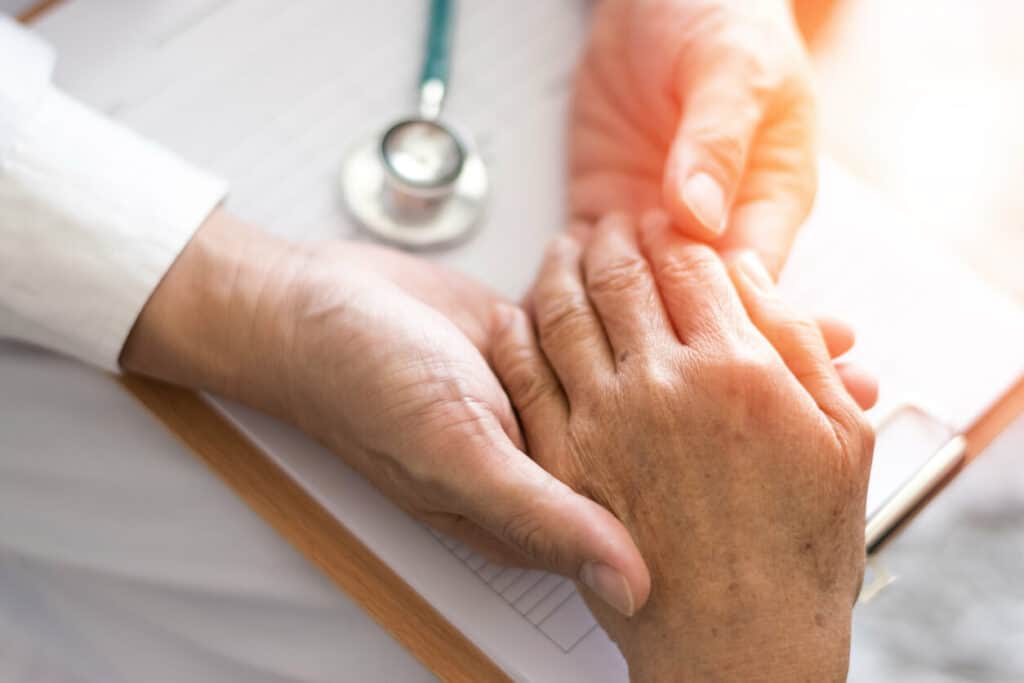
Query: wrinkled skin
[(710, 420), (422, 415), (379, 356)]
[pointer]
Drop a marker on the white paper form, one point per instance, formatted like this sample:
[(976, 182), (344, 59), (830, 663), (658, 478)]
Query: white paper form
[(272, 94)]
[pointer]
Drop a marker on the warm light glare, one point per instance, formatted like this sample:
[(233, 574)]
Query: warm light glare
[(923, 99)]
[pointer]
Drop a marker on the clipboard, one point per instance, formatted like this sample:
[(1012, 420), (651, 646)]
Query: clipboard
[(354, 568), (921, 486)]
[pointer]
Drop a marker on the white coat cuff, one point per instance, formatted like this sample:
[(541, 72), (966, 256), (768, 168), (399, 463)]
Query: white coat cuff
[(94, 216)]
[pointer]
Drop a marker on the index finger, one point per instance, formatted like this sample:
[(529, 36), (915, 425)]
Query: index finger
[(694, 285)]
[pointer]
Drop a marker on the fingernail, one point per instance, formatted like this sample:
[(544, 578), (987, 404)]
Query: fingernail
[(706, 200), (751, 266), (609, 585)]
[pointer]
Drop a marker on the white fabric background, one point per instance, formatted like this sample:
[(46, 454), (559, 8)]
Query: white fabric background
[(123, 558)]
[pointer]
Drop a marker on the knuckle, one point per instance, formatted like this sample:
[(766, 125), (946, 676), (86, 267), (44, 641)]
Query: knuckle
[(744, 378), (725, 152), (623, 274), (767, 79), (566, 311), (691, 265), (795, 85), (448, 422), (525, 531), (862, 437), (799, 333), (791, 109), (742, 368), (661, 381), (855, 439), (524, 383)]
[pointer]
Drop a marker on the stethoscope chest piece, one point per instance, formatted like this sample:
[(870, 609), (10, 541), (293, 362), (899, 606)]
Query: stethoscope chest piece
[(416, 186), (419, 184)]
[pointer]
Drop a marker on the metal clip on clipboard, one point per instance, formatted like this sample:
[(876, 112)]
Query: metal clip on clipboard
[(892, 515)]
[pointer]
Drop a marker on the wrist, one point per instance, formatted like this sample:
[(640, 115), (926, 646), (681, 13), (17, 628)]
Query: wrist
[(749, 640), (216, 320)]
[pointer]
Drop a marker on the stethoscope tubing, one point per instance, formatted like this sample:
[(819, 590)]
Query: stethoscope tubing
[(436, 61), (413, 213)]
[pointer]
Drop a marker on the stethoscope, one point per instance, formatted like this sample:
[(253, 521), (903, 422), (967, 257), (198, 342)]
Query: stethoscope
[(420, 184)]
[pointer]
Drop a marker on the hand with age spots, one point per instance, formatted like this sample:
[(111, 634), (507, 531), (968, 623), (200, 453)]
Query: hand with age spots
[(706, 414)]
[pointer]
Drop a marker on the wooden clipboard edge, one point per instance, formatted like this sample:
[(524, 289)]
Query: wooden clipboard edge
[(315, 532), (990, 425), (983, 432), (37, 10), (976, 439)]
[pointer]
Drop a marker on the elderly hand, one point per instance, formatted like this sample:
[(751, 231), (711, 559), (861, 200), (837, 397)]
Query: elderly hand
[(707, 415), (700, 107), (377, 355)]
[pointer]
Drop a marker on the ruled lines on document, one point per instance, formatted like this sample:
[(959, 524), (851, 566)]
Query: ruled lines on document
[(549, 602)]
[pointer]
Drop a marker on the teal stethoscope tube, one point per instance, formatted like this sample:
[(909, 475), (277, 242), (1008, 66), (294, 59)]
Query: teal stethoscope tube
[(436, 59), (419, 184)]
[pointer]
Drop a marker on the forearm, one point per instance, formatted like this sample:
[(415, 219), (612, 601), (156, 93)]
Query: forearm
[(217, 320)]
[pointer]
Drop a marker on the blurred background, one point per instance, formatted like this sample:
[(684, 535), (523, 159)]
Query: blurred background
[(924, 100)]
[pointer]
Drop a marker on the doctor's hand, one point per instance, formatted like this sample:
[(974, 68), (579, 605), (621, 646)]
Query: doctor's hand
[(703, 108), (706, 414), (380, 357)]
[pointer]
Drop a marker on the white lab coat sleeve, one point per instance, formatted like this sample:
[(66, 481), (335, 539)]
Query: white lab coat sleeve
[(91, 215)]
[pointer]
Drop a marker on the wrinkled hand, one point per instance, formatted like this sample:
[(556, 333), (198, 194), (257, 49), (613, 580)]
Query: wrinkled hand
[(404, 394), (706, 414), (378, 355), (702, 108)]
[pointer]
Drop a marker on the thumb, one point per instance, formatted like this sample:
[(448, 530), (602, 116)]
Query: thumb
[(558, 529), (708, 155)]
